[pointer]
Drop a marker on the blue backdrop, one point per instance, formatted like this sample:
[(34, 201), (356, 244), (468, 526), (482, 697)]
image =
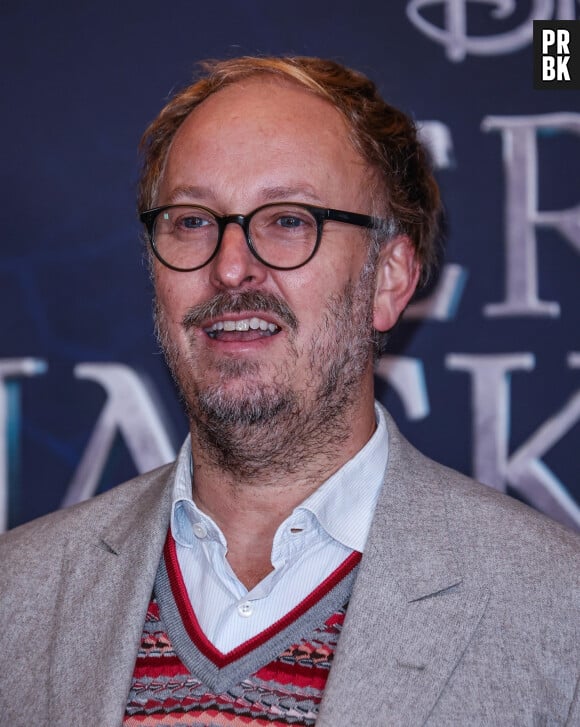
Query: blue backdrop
[(483, 374)]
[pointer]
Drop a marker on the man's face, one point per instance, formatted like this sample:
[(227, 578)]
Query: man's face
[(252, 143)]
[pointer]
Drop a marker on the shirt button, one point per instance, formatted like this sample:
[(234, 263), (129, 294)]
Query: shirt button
[(245, 609), (199, 530)]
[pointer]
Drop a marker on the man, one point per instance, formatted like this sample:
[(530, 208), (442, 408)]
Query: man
[(290, 214)]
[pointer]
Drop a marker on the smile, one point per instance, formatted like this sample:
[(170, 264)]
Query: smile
[(254, 324)]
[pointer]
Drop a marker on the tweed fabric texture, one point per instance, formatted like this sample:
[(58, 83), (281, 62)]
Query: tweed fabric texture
[(465, 610)]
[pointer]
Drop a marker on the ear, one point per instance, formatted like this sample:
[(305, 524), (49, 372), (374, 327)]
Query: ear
[(397, 277)]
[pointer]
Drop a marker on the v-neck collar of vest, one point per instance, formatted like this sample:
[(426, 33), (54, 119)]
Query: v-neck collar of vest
[(219, 671)]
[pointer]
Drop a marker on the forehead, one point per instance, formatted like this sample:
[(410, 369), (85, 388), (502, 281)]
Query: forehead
[(265, 128)]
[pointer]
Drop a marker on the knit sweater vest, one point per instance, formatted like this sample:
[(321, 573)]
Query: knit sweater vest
[(276, 678)]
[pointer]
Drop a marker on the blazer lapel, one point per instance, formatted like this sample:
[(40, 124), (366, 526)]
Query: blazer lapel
[(413, 610), (106, 583)]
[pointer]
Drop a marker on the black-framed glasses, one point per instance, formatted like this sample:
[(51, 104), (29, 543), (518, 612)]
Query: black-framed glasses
[(281, 235)]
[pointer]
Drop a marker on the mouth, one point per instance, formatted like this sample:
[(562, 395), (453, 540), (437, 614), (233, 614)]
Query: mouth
[(241, 329)]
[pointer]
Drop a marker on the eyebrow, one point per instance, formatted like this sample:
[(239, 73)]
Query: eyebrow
[(268, 194), (273, 194), (186, 193)]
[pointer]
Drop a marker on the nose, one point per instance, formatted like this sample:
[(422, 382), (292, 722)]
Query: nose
[(235, 265)]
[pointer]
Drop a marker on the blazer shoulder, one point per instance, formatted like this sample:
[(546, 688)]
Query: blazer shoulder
[(89, 516), (487, 526), (496, 517), (513, 545)]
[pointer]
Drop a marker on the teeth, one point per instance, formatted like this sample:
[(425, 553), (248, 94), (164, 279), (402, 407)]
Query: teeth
[(244, 325)]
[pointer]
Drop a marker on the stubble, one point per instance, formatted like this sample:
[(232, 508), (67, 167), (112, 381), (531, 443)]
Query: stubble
[(267, 425)]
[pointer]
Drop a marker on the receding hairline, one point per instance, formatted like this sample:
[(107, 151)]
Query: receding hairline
[(269, 77), (247, 67)]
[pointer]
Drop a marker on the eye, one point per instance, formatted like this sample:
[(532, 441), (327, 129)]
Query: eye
[(290, 221), (191, 222)]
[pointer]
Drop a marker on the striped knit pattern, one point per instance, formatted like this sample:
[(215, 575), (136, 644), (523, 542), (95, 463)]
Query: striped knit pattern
[(287, 691), (175, 683)]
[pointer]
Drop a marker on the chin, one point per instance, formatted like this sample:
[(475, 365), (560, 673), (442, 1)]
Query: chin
[(243, 403)]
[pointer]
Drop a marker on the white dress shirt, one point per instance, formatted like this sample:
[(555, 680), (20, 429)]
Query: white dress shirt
[(308, 546)]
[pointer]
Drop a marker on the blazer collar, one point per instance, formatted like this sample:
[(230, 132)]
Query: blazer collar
[(411, 526), (106, 582), (414, 608)]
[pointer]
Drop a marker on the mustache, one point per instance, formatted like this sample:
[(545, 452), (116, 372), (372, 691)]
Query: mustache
[(247, 300)]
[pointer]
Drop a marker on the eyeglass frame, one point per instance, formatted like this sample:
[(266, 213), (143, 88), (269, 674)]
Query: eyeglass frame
[(320, 214)]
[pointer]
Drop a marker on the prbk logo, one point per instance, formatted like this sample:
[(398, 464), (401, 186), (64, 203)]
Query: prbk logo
[(556, 54)]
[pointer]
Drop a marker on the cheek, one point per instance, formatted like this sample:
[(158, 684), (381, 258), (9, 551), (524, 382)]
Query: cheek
[(329, 271), (330, 280), (312, 305), (174, 294)]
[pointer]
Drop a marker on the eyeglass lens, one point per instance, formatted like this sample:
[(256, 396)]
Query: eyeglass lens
[(282, 235)]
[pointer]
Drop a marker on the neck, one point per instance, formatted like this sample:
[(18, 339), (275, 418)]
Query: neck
[(250, 478)]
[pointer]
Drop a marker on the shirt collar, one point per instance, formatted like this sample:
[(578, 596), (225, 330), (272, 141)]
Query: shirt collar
[(185, 515), (343, 505)]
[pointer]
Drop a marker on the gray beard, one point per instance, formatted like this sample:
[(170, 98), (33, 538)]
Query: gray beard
[(269, 426)]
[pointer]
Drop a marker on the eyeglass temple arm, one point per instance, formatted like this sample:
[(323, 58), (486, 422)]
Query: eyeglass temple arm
[(354, 218)]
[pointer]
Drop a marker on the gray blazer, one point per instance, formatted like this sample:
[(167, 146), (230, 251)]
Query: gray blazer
[(465, 611)]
